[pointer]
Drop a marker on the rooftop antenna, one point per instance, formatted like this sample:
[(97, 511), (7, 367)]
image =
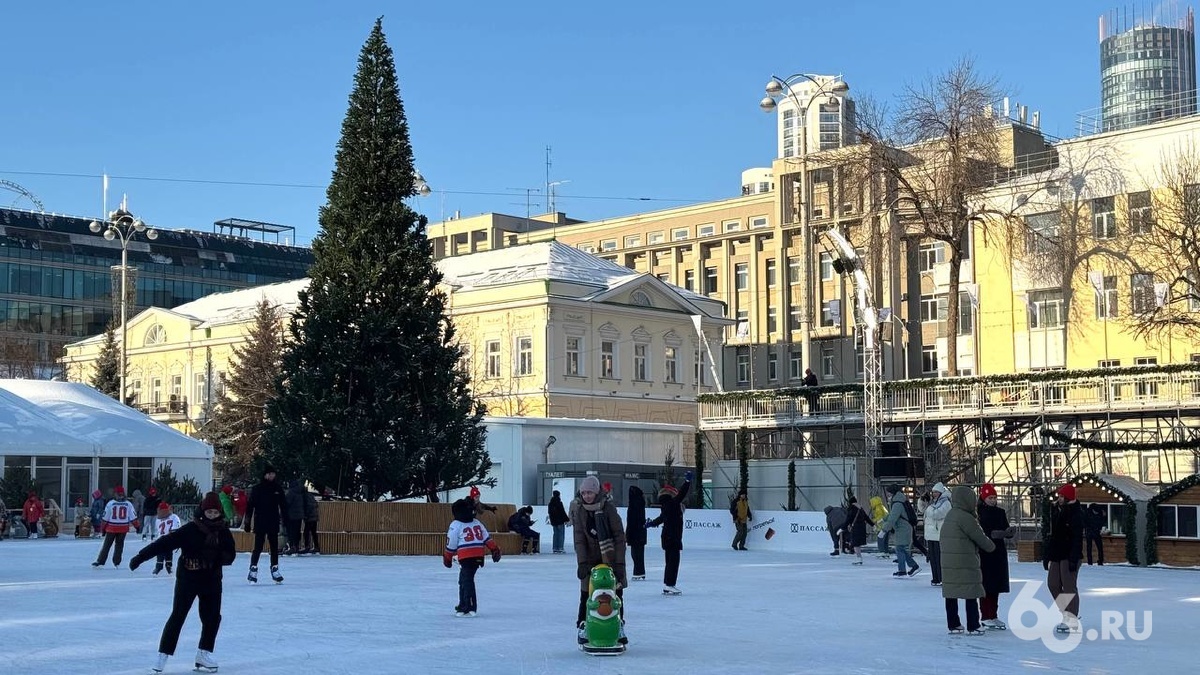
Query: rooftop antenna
[(550, 189), (549, 186)]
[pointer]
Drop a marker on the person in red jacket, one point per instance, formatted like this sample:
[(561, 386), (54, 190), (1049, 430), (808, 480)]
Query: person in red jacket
[(33, 513), (239, 506)]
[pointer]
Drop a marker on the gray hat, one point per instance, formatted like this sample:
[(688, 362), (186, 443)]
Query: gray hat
[(590, 484)]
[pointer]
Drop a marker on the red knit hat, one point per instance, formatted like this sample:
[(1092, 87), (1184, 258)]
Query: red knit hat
[(163, 506), (1067, 492), (668, 490), (119, 490), (228, 489), (474, 492), (211, 501), (153, 491), (987, 490)]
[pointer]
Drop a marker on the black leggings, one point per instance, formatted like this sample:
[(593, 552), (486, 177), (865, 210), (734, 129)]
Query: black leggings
[(111, 538), (310, 536), (272, 538), (638, 552), (210, 619), (671, 574)]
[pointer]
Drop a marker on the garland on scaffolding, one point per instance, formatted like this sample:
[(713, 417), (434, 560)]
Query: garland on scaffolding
[(1098, 374), (1115, 447), (1152, 513)]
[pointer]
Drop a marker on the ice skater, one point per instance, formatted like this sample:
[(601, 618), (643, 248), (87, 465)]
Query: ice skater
[(993, 564), (962, 540), (902, 521), (856, 528), (205, 546), (264, 512), (470, 540), (558, 523), (119, 516), (164, 523), (670, 516), (599, 539), (635, 531)]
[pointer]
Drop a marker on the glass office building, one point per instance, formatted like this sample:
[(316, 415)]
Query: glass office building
[(57, 280), (1147, 66)]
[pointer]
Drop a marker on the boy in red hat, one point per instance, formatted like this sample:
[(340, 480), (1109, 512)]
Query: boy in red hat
[(165, 523), (150, 513), (670, 516), (1062, 550), (119, 516)]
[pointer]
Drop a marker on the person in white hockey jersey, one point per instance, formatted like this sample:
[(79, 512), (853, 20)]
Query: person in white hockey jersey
[(165, 523), (119, 515), (469, 540)]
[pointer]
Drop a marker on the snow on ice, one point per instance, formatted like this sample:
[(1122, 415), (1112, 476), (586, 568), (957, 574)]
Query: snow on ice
[(740, 612)]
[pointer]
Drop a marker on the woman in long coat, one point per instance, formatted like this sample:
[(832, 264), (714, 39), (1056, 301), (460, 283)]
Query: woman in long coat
[(599, 538), (994, 565), (962, 540), (856, 522), (635, 531)]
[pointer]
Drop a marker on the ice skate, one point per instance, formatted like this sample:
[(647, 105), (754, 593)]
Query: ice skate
[(582, 633), (913, 570), (252, 577), (97, 564), (168, 568), (621, 634), (957, 630), (275, 575), (205, 663), (160, 663), (471, 614), (671, 590), (158, 568), (995, 624), (976, 631), (461, 614), (639, 577)]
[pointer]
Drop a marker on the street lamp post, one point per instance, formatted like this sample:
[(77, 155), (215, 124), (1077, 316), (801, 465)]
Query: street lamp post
[(776, 89), (121, 224)]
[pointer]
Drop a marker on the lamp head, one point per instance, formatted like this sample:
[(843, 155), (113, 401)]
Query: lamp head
[(139, 225), (423, 189), (767, 104), (840, 87), (151, 234), (773, 88), (109, 234), (94, 227)]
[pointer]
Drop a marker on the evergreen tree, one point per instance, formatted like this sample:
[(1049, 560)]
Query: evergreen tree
[(107, 378), (372, 399), (235, 424)]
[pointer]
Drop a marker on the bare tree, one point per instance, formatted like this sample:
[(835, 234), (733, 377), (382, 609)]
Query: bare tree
[(19, 358), (939, 151), (1167, 245)]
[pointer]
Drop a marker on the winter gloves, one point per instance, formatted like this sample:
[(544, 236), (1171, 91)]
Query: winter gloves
[(496, 556), (447, 560), (136, 562), (583, 570), (688, 476)]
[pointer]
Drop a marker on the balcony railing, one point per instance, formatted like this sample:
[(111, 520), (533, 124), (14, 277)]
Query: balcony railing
[(169, 408), (961, 400)]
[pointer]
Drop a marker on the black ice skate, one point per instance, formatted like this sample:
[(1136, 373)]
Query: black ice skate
[(275, 575), (158, 568), (252, 577)]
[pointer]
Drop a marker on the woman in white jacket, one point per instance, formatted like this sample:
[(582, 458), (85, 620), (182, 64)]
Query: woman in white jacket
[(935, 515)]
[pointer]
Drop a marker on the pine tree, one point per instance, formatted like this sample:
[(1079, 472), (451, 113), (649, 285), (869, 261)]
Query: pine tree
[(236, 422), (372, 399), (107, 378)]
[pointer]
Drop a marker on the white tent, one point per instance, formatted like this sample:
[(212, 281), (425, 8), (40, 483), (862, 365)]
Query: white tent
[(26, 429)]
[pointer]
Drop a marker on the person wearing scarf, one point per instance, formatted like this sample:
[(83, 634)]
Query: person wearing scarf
[(599, 538), (205, 546)]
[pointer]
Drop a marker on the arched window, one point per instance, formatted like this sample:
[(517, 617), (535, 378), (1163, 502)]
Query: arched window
[(157, 335), (640, 299)]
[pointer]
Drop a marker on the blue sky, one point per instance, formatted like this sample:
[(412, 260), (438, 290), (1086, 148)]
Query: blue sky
[(654, 100)]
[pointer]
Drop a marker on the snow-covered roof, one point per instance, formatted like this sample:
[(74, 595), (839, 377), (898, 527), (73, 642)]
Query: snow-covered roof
[(240, 305), (53, 413), (1130, 487)]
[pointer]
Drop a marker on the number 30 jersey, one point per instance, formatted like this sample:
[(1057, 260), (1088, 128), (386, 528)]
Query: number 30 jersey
[(468, 540)]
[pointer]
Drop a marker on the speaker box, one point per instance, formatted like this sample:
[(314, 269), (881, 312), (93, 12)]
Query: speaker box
[(900, 467), (893, 448)]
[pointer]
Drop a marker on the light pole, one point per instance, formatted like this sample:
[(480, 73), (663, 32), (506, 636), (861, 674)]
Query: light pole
[(122, 225), (776, 89)]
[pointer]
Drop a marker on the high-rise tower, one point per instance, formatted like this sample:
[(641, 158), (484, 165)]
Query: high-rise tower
[(1147, 66)]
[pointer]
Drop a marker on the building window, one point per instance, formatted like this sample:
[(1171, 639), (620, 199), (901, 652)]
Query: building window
[(492, 348), (199, 389), (671, 364), (793, 318), (706, 230), (741, 276), (1177, 520), (633, 241), (772, 319), (771, 273), (829, 309), (1106, 299), (743, 365), (1141, 293), (654, 238), (608, 245), (929, 360), (1193, 292), (1141, 213), (933, 308), (1045, 309), (176, 387), (641, 362), (794, 272), (1108, 363), (710, 280), (157, 335), (1146, 389), (679, 234), (524, 356), (761, 221), (156, 384), (966, 314), (689, 280), (731, 225), (587, 248), (663, 277), (860, 361), (1104, 218), (930, 254), (830, 126), (640, 299), (773, 367), (699, 361), (826, 266), (608, 358), (1042, 232), (795, 365), (743, 323), (574, 349), (827, 370)]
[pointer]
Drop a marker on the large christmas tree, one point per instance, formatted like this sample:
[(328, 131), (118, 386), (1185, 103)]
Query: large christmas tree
[(107, 377), (372, 399)]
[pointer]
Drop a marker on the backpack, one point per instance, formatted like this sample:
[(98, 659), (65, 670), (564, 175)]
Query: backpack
[(910, 514)]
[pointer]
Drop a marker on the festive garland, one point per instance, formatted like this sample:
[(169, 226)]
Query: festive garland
[(1107, 445), (1131, 546), (1152, 513), (1131, 538), (1098, 374)]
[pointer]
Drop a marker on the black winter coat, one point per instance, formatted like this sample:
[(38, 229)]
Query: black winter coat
[(204, 548), (1094, 519), (635, 518), (310, 507), (994, 564), (557, 512), (295, 502), (1065, 541), (857, 521), (670, 516), (265, 507), (150, 506)]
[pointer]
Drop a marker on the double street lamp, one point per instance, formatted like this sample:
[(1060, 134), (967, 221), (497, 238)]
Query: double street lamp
[(122, 225), (826, 92)]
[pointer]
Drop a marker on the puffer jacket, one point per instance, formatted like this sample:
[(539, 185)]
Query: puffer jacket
[(897, 522), (936, 513), (962, 539), (587, 542), (878, 510)]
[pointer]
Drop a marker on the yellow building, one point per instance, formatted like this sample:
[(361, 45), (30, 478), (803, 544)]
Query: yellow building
[(547, 329)]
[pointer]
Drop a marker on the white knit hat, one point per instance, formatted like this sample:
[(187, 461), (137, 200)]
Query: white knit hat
[(590, 484)]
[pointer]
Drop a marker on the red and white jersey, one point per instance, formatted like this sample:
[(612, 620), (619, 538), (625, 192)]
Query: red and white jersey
[(167, 525), (468, 540), (119, 515)]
